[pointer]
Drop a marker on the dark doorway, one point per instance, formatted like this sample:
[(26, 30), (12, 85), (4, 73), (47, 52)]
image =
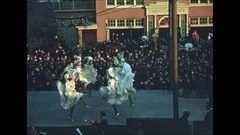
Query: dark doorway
[(202, 31), (164, 33), (89, 37)]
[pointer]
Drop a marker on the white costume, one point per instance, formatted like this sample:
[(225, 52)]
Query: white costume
[(80, 74), (90, 71), (126, 75), (68, 94), (114, 93), (68, 70)]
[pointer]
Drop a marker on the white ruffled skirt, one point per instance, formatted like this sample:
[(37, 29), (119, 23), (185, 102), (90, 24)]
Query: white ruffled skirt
[(113, 96), (127, 83), (70, 99), (91, 75)]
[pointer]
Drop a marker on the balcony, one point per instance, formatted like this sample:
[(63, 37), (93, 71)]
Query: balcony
[(33, 6), (74, 5)]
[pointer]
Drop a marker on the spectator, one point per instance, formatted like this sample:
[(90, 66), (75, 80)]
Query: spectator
[(101, 126), (184, 123), (208, 119)]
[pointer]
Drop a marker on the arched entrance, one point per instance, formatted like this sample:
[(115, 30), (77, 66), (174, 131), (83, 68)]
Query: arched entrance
[(163, 27)]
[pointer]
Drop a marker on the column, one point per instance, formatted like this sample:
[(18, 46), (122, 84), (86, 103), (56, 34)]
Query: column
[(80, 36), (155, 21), (179, 20), (147, 28), (107, 34), (73, 4), (187, 25), (59, 4)]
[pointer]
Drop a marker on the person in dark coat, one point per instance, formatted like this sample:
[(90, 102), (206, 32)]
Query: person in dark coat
[(184, 123), (208, 119), (101, 126)]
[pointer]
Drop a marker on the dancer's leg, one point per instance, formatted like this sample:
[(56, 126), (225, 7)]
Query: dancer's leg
[(85, 104), (85, 85), (115, 109), (90, 87), (71, 112), (131, 102)]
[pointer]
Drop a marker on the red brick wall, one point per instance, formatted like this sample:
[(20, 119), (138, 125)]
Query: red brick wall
[(200, 11), (104, 13)]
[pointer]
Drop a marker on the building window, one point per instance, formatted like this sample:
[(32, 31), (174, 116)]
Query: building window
[(130, 2), (139, 22), (194, 1), (204, 1), (130, 23), (120, 22), (210, 20), (194, 20), (111, 23), (110, 2), (210, 1), (203, 20), (139, 2), (120, 2)]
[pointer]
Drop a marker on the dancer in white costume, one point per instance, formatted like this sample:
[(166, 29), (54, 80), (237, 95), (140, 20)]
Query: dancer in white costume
[(68, 95), (127, 77), (81, 76), (90, 71), (80, 79), (114, 93)]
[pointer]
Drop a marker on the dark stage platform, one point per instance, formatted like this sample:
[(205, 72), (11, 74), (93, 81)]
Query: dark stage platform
[(44, 109)]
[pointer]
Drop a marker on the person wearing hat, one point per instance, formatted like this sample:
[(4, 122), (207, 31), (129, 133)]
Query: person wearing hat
[(127, 77), (81, 76), (114, 94), (68, 94), (90, 71)]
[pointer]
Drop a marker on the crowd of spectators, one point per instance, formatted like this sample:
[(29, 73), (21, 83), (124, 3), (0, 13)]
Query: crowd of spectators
[(151, 65)]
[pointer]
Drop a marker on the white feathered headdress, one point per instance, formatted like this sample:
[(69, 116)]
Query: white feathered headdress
[(70, 74), (88, 58), (78, 59), (73, 73)]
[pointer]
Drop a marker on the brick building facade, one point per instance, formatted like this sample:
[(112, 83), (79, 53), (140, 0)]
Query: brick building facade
[(145, 16), (91, 21), (149, 15)]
